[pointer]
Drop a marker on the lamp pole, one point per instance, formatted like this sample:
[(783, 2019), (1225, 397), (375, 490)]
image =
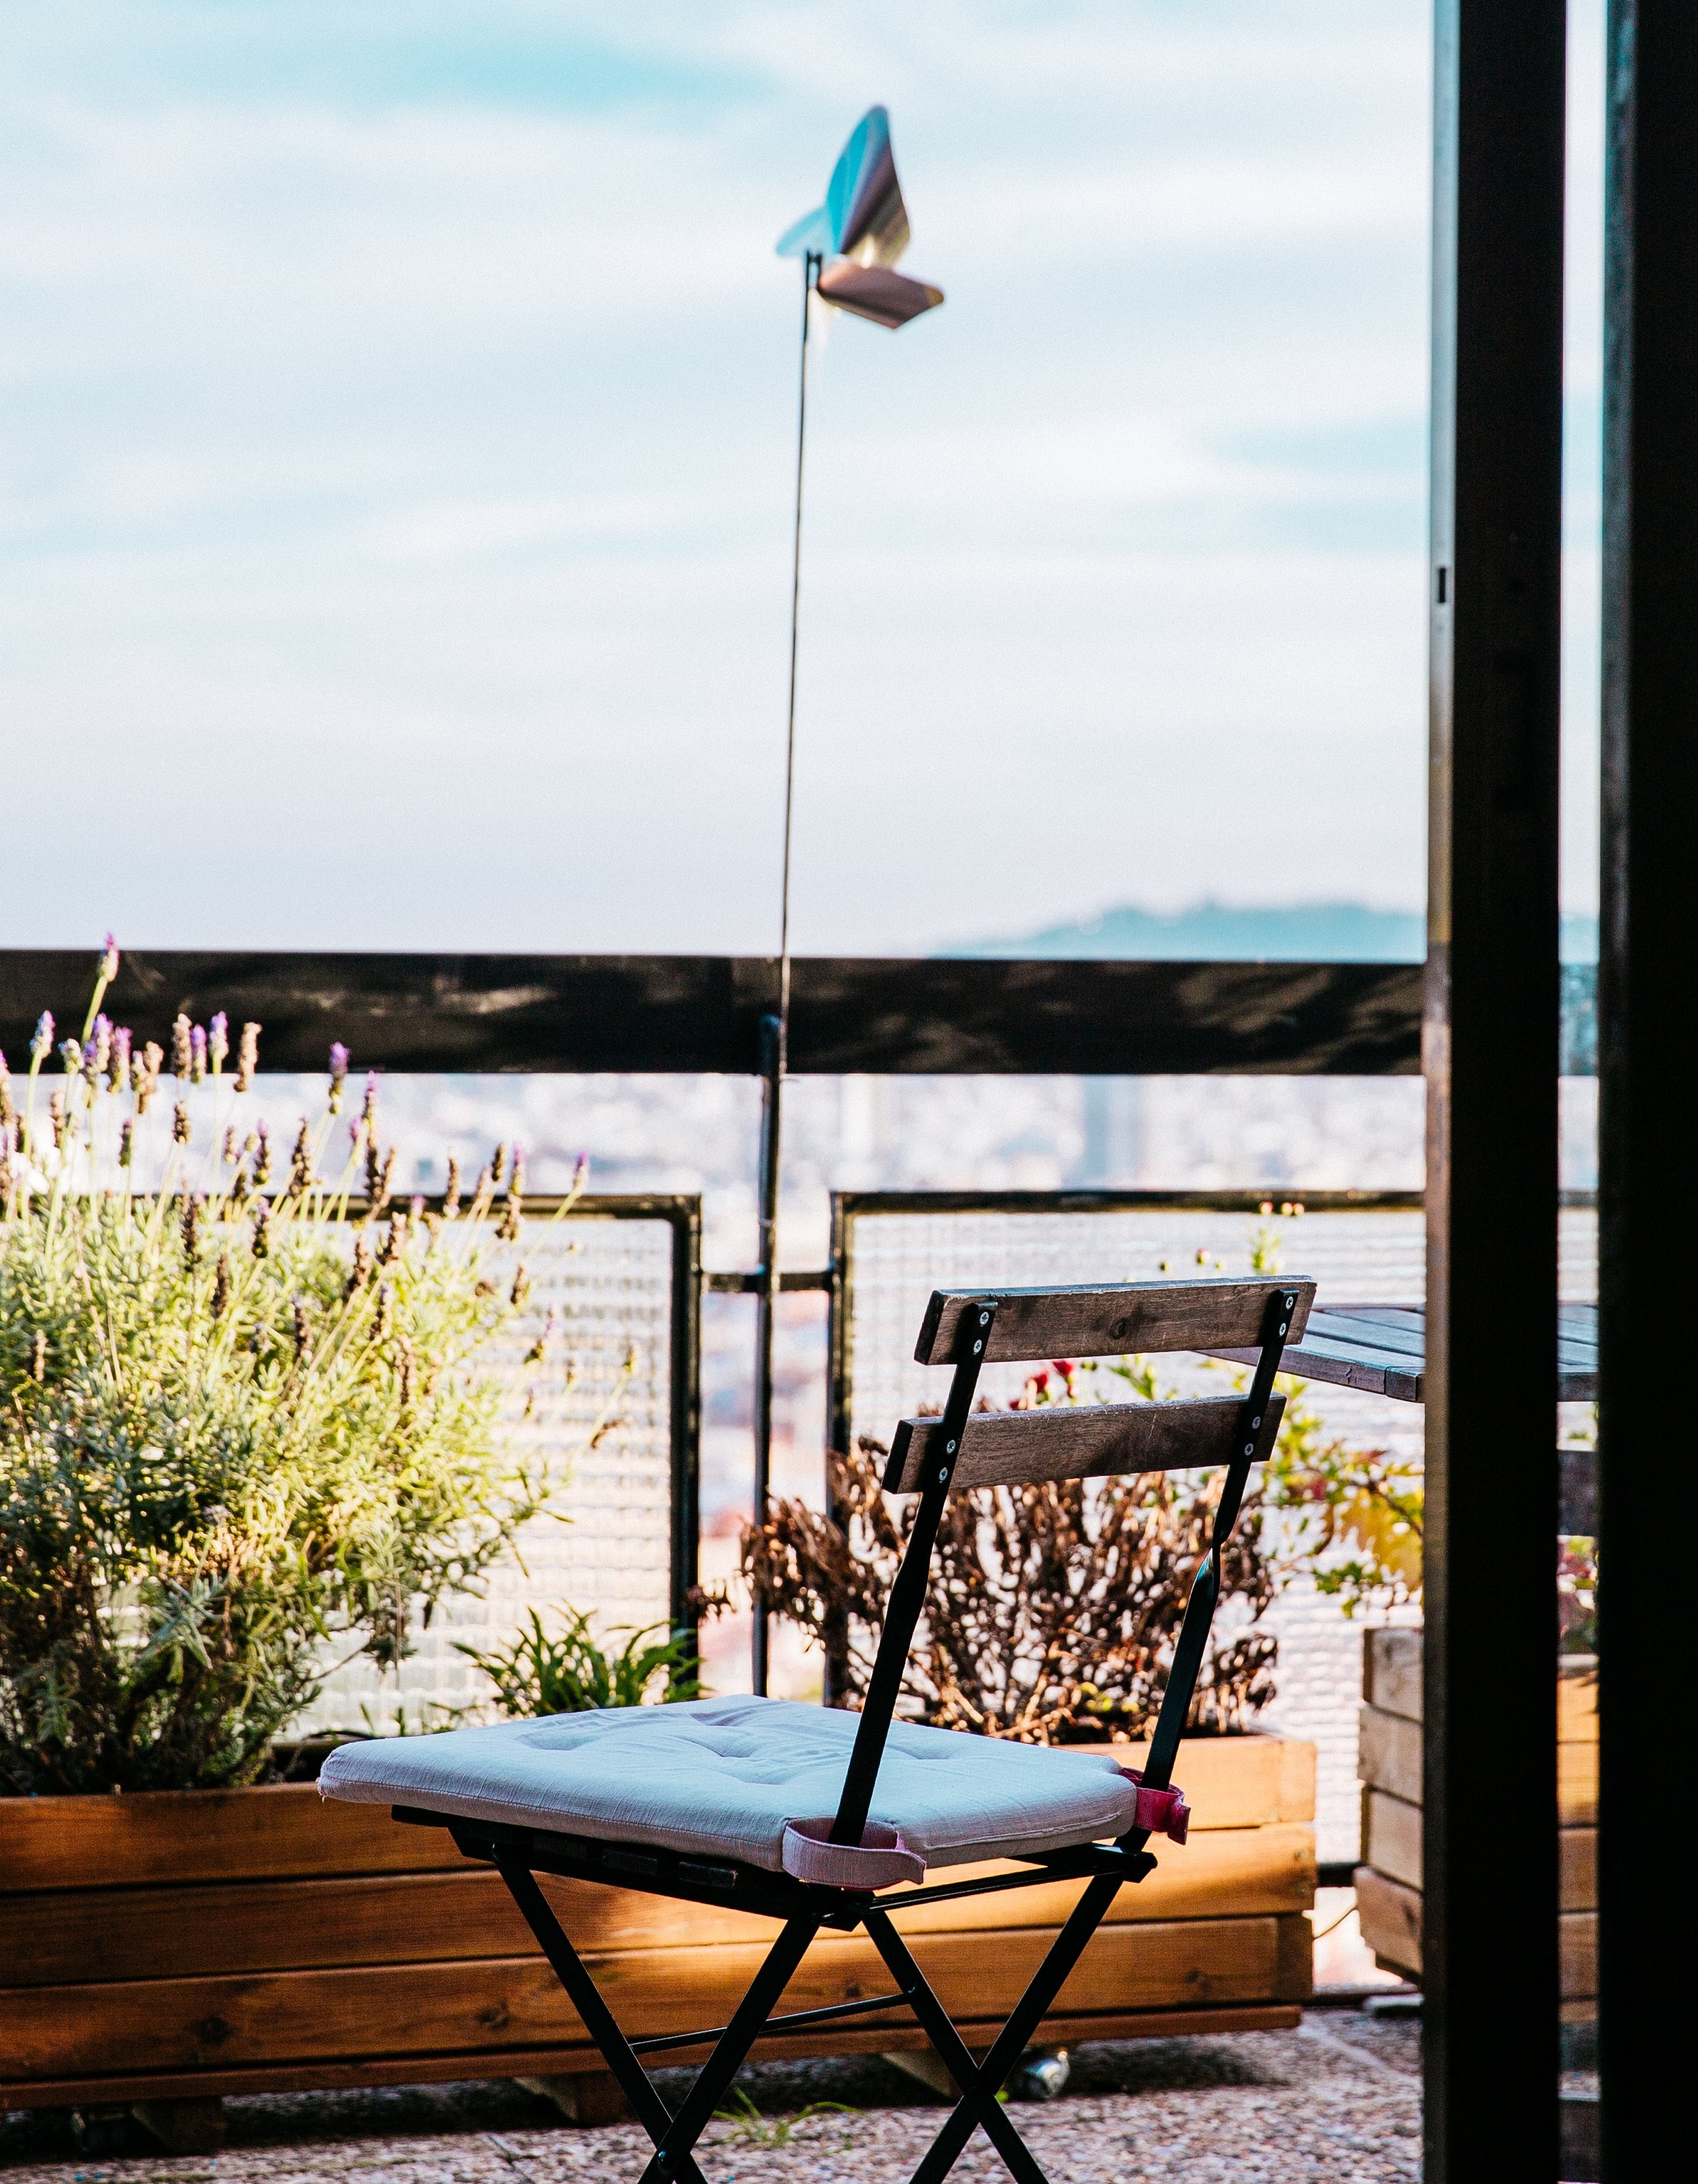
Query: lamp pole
[(775, 1035)]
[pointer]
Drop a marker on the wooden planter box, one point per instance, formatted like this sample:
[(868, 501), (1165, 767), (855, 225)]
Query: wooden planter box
[(177, 1948), (1389, 1881)]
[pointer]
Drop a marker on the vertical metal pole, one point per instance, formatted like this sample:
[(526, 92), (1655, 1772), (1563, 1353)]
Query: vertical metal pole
[(1649, 928), (1490, 1056), (766, 1308), (775, 1037)]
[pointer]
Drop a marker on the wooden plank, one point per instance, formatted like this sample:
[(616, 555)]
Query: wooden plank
[(1577, 1940), (1577, 1701), (1061, 2030), (1085, 1440), (1385, 1330), (1576, 1851), (164, 1837), (1391, 1672), (292, 1926), (183, 2025), (1391, 1836), (1113, 1318), (1577, 1785), (1343, 1365), (1240, 1781), (1388, 1913), (1389, 1754)]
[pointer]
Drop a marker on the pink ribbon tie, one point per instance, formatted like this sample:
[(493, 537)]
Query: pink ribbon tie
[(880, 1860), (1161, 1812)]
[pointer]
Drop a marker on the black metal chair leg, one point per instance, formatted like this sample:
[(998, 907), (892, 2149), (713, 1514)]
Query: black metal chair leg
[(958, 2058), (672, 2149), (1065, 1951), (600, 2022)]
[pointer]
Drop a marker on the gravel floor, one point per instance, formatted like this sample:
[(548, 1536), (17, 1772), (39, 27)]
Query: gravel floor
[(1338, 2100)]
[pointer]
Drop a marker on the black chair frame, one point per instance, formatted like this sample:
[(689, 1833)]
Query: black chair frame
[(805, 1909)]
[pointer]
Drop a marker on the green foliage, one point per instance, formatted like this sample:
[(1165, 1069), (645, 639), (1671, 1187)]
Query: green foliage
[(235, 1424), (538, 1674), (753, 2129)]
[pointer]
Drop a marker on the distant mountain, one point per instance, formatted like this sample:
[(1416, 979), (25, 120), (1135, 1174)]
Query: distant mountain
[(1273, 932)]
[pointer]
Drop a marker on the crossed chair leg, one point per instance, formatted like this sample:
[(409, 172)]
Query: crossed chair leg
[(676, 2135)]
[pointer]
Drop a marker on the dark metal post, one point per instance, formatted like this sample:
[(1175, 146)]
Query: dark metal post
[(1492, 1015), (766, 1304), (686, 1396), (1650, 825)]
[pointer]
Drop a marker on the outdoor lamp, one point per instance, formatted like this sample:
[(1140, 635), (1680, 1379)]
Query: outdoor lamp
[(848, 247)]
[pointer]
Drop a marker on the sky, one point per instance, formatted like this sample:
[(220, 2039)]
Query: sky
[(397, 433)]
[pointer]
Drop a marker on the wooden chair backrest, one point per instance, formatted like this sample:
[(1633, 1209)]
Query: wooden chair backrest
[(1113, 1319), (1096, 1441)]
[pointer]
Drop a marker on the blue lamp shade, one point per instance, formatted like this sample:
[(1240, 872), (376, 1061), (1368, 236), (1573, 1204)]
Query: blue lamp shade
[(861, 230)]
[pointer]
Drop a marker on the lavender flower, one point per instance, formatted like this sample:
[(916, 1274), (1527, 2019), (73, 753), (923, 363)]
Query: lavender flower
[(368, 1113), (126, 1143), (220, 1286), (218, 1041), (180, 1123), (118, 1066), (384, 1323), (144, 1072), (262, 1154), (338, 1075), (7, 1110), (56, 1116), (41, 1045), (301, 1167), (108, 962), (360, 1271), (498, 1161), (521, 1285), (580, 1174), (302, 1326), (198, 1055), (451, 1195), (247, 1056), (98, 1053), (191, 1226), (71, 1053), (261, 1246), (232, 1150), (182, 1050)]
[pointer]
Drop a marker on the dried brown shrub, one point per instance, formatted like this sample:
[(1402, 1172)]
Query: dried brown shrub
[(1053, 1609)]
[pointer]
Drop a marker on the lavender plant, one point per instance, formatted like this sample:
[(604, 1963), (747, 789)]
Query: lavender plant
[(244, 1418)]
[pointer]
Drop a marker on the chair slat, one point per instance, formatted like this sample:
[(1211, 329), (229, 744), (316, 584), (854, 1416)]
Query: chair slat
[(1081, 1440), (1113, 1318)]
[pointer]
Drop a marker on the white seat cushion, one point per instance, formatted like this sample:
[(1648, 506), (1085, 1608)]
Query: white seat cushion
[(725, 1777)]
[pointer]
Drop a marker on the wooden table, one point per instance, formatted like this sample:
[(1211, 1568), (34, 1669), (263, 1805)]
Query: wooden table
[(1382, 1349)]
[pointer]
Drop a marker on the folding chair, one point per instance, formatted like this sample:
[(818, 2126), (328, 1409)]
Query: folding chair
[(811, 1816)]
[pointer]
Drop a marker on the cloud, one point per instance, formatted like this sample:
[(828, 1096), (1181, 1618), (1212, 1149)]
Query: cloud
[(398, 420)]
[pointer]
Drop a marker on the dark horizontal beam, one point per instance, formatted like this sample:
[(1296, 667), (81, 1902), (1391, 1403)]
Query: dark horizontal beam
[(850, 1014)]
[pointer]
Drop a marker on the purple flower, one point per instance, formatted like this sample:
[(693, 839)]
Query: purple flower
[(71, 1053), (218, 1039), (338, 1061), (109, 961), (41, 1045), (198, 1053), (121, 1054)]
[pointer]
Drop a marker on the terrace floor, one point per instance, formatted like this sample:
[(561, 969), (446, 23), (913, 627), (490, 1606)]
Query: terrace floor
[(1337, 2100)]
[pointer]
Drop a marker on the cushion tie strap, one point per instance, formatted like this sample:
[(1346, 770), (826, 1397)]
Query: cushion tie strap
[(1161, 1812), (880, 1860)]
